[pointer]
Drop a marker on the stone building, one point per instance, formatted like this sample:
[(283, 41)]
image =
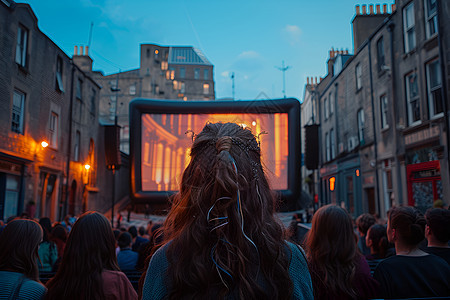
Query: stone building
[(165, 72), (384, 111), (48, 122)]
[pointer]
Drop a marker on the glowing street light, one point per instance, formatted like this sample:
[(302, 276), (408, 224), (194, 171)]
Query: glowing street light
[(44, 144), (87, 167)]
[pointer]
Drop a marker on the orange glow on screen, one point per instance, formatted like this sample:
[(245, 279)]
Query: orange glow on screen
[(166, 145)]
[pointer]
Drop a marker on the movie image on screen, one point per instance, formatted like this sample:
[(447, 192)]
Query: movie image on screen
[(162, 132)]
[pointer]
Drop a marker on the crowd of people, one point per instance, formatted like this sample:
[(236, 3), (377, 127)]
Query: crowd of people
[(222, 240)]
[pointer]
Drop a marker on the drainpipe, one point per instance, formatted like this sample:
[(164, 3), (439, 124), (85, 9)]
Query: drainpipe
[(374, 128), (69, 148), (391, 27)]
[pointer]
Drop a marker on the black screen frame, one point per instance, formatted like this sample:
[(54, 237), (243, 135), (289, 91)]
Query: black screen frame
[(140, 106)]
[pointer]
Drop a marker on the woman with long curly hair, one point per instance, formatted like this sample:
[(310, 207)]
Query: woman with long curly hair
[(88, 268), (337, 268), (19, 275), (411, 273), (221, 239)]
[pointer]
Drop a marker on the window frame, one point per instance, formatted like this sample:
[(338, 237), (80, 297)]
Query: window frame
[(358, 76), (205, 74), (331, 103), (430, 19), (205, 88), (182, 72), (325, 108), (407, 30), (384, 112), (327, 145), (76, 148), (381, 56), (332, 144), (53, 130), (59, 74), (361, 126), (196, 73), (431, 90), (20, 112), (21, 57), (409, 99)]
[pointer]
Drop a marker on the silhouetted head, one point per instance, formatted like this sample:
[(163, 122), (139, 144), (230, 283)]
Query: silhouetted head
[(438, 220), (364, 222), (408, 223)]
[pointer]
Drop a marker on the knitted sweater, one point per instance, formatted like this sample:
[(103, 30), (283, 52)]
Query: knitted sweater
[(30, 289), (157, 282)]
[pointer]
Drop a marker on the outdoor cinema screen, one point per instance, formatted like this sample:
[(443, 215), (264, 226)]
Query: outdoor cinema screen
[(162, 132)]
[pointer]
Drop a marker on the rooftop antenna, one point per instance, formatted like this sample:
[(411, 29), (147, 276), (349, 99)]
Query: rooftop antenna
[(283, 69), (90, 35), (232, 83)]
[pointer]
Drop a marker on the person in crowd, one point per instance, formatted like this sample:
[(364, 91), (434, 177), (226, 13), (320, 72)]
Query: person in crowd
[(377, 242), (137, 240), (88, 268), (116, 236), (437, 232), (126, 258), (19, 275), (143, 233), (337, 268), (363, 223), (411, 272), (48, 252), (59, 237), (221, 238)]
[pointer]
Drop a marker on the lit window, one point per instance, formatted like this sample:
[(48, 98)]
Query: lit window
[(164, 65), (431, 17), (384, 111), (196, 73), (361, 123), (205, 88), (412, 99), (409, 32), (380, 54), (205, 74), (59, 74), (182, 72), (434, 89), (53, 130), (18, 112), (21, 46), (170, 74), (358, 74), (132, 90)]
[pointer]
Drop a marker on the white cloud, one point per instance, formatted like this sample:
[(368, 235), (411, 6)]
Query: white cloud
[(292, 34), (248, 55), (225, 74)]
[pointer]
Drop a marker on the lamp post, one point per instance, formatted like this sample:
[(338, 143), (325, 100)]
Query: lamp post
[(115, 89)]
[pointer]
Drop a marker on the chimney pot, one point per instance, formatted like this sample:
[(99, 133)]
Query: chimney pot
[(393, 7), (357, 10), (371, 9), (75, 50), (364, 9), (81, 50), (315, 80), (307, 80), (385, 9), (378, 9), (86, 50)]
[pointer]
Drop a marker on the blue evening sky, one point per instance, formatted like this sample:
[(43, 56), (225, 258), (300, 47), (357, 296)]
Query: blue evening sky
[(248, 37)]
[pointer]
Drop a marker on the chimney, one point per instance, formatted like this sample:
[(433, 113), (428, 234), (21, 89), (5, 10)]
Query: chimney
[(393, 7), (357, 10), (86, 50), (371, 9), (82, 59), (364, 24), (378, 9), (364, 9), (385, 9), (315, 80), (307, 80), (75, 50), (81, 50)]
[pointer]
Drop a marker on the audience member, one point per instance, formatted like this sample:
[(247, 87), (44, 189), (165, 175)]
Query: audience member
[(437, 232), (89, 269), (337, 268), (48, 253), (137, 240), (221, 239), (59, 237), (363, 223), (126, 258), (19, 276), (411, 272), (377, 242)]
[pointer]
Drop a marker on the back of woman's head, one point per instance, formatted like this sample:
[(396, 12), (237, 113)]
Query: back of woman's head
[(331, 248), (89, 250), (225, 208), (409, 224), (19, 242), (59, 232), (364, 222), (377, 234)]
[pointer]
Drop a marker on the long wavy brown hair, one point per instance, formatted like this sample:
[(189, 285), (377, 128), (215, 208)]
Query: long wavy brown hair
[(90, 249), (19, 244), (332, 250), (224, 238)]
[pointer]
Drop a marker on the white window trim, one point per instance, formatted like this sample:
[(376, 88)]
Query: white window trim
[(433, 17), (53, 132), (408, 101), (358, 76), (325, 108), (327, 144), (384, 112), (332, 144), (21, 46), (22, 111), (407, 29), (429, 94), (361, 125)]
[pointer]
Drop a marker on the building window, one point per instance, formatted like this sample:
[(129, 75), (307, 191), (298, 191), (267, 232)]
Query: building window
[(18, 112), (59, 74), (53, 130), (361, 123), (132, 90), (182, 72), (196, 73), (431, 17), (327, 144), (412, 99), (182, 88), (79, 88), (380, 54), (93, 97), (170, 74), (409, 32), (76, 149), (164, 65), (21, 46), (205, 88), (358, 74), (384, 110), (205, 74), (434, 89), (325, 108), (332, 144), (331, 103)]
